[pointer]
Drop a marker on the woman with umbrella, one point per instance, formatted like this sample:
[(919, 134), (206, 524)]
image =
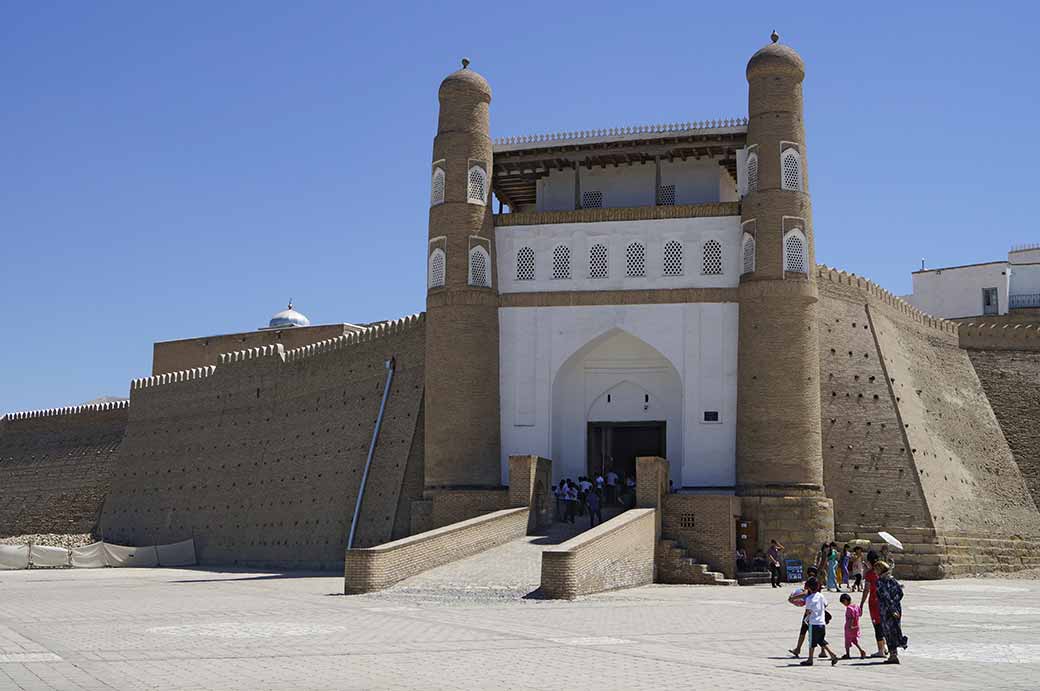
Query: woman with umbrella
[(890, 597)]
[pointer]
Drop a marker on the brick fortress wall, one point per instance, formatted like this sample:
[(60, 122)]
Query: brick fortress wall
[(909, 440), (1011, 380), (259, 458), (55, 467)]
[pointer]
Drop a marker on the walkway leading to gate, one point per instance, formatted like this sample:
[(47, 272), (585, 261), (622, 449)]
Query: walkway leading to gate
[(511, 571)]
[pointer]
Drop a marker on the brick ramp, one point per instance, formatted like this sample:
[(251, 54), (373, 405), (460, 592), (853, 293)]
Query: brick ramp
[(509, 571)]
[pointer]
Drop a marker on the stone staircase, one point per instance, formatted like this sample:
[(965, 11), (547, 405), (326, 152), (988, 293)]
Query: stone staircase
[(753, 578), (674, 565)]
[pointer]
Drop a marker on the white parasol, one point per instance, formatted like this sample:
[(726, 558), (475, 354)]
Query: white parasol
[(887, 537)]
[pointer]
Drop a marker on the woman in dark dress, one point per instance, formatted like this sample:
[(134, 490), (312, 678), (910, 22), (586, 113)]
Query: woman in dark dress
[(890, 598)]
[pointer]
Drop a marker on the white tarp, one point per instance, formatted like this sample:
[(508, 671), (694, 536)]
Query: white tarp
[(177, 554), (14, 556), (89, 556), (117, 555), (42, 555)]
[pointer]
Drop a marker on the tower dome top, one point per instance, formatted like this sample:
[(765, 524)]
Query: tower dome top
[(288, 318), (776, 59), (466, 81)]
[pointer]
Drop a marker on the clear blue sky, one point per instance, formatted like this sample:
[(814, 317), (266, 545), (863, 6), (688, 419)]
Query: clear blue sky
[(181, 169)]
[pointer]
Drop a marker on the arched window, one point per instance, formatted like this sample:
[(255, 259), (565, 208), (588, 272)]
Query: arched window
[(791, 170), (635, 260), (749, 253), (712, 260), (525, 264), (477, 188), (672, 264), (437, 187), (752, 172), (436, 268), (561, 262), (598, 263), (479, 267), (796, 256)]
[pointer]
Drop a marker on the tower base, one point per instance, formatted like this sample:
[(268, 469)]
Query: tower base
[(800, 524)]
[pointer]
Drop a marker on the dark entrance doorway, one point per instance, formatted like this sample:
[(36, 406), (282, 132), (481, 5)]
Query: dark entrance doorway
[(616, 445)]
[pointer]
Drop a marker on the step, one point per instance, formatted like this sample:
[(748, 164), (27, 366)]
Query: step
[(753, 577)]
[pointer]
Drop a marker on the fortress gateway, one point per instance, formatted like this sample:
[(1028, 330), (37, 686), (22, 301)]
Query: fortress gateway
[(652, 292)]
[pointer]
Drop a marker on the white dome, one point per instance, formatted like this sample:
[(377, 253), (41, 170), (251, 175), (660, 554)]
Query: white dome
[(288, 318)]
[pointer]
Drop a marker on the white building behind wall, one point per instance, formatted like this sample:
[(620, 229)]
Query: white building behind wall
[(618, 331), (973, 290)]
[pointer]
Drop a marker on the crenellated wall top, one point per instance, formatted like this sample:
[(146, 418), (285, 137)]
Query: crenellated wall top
[(826, 273), (278, 352), (1000, 336), (620, 133), (67, 410)]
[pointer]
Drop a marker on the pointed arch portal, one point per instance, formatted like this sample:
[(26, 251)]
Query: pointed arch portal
[(614, 399)]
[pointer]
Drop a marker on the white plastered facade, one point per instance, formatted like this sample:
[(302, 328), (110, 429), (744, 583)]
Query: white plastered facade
[(660, 362)]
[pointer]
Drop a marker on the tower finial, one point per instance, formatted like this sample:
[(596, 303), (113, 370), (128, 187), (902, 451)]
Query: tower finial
[(774, 37), (465, 63), (290, 303)]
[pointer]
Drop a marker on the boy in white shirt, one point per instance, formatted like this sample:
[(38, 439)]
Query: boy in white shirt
[(816, 607)]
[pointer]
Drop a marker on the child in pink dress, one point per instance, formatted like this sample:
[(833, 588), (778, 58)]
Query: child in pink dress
[(852, 615)]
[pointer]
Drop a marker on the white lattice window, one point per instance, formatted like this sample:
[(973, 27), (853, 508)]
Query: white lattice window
[(666, 195), (436, 268), (593, 199), (672, 263), (752, 172), (796, 256), (561, 262), (437, 187), (635, 260), (477, 187), (479, 268), (749, 253), (711, 263), (525, 264), (598, 262), (791, 170)]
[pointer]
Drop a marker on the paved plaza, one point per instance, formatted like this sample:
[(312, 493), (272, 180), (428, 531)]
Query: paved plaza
[(218, 629)]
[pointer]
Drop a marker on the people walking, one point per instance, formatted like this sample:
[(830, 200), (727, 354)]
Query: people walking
[(890, 599), (852, 615), (832, 567), (856, 567), (570, 501), (594, 502), (844, 563), (816, 606), (612, 487), (775, 556), (797, 598), (870, 596)]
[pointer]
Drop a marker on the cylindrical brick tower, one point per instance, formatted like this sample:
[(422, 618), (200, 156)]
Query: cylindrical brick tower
[(462, 439), (779, 453)]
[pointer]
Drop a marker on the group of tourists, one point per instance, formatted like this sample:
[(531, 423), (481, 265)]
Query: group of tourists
[(589, 496), (880, 591), (846, 567)]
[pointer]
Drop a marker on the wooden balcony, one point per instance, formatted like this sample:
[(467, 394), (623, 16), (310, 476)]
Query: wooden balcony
[(633, 213)]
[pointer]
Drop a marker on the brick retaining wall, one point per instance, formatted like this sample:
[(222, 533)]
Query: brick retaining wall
[(615, 554), (375, 568)]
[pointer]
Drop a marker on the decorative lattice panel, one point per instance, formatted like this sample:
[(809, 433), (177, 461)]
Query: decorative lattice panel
[(437, 187), (598, 262), (561, 262), (525, 264), (666, 195), (479, 268), (749, 254), (712, 260), (752, 172), (795, 256), (672, 263), (592, 199), (635, 260), (477, 185), (437, 268), (791, 170)]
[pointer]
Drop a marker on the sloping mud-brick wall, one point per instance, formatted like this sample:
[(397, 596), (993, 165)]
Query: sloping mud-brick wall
[(911, 444), (55, 467), (260, 457), (1011, 380)]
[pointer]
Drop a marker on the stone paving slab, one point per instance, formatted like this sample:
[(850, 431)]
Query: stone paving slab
[(228, 630)]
